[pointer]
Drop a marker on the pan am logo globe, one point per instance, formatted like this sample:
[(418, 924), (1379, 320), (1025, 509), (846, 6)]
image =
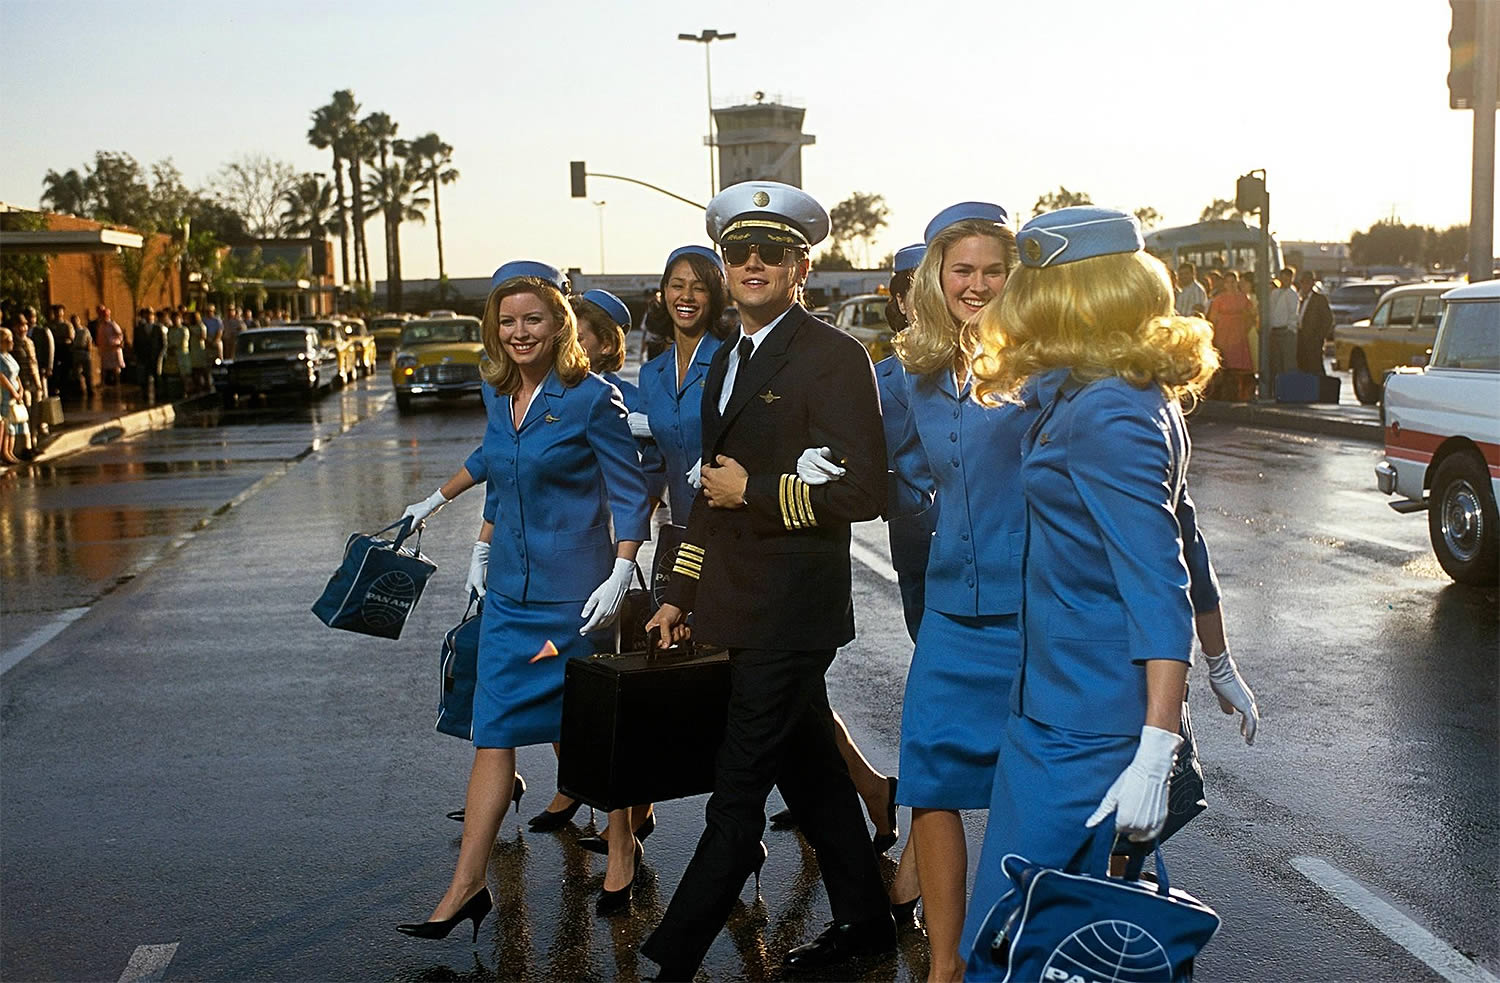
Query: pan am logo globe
[(1108, 952), (389, 600)]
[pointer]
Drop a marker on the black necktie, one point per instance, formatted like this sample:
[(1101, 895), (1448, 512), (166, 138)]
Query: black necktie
[(745, 350)]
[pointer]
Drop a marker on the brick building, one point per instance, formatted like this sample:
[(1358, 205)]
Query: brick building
[(84, 270)]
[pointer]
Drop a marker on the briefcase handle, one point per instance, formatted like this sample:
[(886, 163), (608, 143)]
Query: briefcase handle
[(406, 530)]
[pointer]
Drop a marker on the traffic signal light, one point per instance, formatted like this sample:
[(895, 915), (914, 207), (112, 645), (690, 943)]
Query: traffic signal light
[(1249, 193), (1463, 61), (580, 181)]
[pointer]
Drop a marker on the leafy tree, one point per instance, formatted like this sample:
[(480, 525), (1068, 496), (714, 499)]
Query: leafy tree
[(116, 190), (253, 186), (1061, 198), (396, 190), (1389, 243), (833, 258), (1448, 249), (857, 219), (1148, 217), (433, 157), (64, 193), (1220, 208), (328, 133), (379, 131), (226, 225), (21, 274), (307, 208)]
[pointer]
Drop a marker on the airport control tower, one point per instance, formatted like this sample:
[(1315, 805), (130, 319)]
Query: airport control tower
[(761, 141)]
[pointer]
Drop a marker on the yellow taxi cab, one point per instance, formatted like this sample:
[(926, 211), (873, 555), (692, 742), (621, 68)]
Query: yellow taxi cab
[(363, 342), (437, 359), (863, 318), (387, 331), (331, 335), (1401, 329)]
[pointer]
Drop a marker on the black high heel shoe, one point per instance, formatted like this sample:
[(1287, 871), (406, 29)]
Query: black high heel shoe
[(760, 863), (884, 841), (905, 914), (476, 909), (457, 815), (614, 902), (595, 843), (547, 821)]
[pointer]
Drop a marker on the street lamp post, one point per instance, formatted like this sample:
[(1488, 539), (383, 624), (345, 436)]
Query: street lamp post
[(600, 205), (706, 38)]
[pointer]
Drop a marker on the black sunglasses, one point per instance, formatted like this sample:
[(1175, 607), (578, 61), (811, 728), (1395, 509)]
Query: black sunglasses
[(772, 254)]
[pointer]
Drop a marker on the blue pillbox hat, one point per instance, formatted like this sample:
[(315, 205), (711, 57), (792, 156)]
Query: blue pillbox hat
[(703, 251), (611, 305), (909, 258), (527, 267), (982, 210), (1082, 232)]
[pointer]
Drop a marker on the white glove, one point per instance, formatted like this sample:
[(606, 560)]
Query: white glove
[(816, 466), (604, 603), (1138, 798), (1229, 687), (424, 509), (640, 425), (695, 474), (479, 569)]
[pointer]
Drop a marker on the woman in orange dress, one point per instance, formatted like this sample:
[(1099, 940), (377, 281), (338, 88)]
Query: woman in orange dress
[(1233, 314)]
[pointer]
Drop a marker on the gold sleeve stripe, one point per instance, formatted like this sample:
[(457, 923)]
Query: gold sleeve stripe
[(807, 508), (786, 513), (690, 550), (685, 570), (687, 561)]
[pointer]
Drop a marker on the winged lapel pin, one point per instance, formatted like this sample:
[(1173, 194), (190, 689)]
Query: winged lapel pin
[(769, 397), (549, 418)]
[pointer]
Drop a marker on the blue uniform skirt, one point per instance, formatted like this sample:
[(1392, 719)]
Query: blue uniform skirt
[(517, 702), (1048, 781), (953, 715)]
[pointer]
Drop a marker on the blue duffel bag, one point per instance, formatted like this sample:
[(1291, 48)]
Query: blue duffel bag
[(376, 587), (458, 671), (1062, 926)]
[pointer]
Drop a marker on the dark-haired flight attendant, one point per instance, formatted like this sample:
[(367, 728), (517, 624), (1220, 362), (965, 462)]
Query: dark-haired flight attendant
[(561, 468)]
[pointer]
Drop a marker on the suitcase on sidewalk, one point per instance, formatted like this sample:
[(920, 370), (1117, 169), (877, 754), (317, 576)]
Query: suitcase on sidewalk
[(641, 727), (1305, 387), (49, 411)]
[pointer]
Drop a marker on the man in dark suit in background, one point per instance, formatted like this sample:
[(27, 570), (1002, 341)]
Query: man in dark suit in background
[(1314, 324), (764, 567)]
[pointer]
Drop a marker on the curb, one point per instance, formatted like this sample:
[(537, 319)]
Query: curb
[(76, 439), (1281, 418)]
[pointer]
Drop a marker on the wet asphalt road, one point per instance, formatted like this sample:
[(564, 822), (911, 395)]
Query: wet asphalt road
[(187, 756)]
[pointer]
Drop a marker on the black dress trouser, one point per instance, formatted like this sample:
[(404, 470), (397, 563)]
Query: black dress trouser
[(779, 732)]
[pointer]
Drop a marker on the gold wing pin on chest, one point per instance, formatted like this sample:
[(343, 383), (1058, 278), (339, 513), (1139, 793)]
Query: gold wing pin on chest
[(549, 418), (768, 397)]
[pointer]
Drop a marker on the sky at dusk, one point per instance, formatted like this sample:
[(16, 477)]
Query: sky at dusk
[(1151, 102)]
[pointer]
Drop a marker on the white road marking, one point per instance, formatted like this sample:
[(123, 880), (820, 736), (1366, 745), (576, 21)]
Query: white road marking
[(879, 564), (1349, 535), (38, 638), (148, 963), (1444, 960)]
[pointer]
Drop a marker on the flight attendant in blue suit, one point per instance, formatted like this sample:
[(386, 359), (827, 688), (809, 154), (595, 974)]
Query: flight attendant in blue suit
[(1087, 324), (694, 295), (560, 467), (603, 322)]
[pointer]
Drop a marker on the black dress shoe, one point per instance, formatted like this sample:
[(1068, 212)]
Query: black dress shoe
[(595, 843), (547, 821), (905, 914), (784, 820), (475, 909), (884, 841), (614, 902), (518, 790), (841, 941)]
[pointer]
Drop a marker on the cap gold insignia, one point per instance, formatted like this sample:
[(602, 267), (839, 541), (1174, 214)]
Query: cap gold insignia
[(1033, 250), (761, 199), (769, 397)]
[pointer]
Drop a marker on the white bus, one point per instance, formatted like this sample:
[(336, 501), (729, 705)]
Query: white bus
[(1223, 244)]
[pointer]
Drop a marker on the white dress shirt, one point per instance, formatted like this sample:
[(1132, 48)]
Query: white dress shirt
[(727, 389)]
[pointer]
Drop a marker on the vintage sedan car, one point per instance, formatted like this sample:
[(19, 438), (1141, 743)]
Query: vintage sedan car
[(281, 359), (1401, 329), (437, 358), (387, 331), (367, 354), (1355, 300), (1442, 436), (863, 317), (331, 333)]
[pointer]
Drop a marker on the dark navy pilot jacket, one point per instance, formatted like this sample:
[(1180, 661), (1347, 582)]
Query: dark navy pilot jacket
[(553, 487), (1106, 584)]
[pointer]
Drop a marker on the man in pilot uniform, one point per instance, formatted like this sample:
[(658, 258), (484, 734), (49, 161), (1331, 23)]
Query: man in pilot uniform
[(764, 567)]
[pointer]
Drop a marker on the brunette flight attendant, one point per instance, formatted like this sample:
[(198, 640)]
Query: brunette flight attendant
[(1087, 324), (560, 467)]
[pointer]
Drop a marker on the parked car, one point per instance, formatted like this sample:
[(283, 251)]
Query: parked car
[(441, 314), (288, 358), (367, 353), (1442, 436), (1355, 300), (437, 358), (387, 331), (331, 333), (863, 317), (1401, 329)]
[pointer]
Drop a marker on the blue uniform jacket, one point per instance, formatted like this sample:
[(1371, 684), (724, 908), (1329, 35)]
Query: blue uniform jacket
[(1104, 470), (972, 462), (676, 415), (651, 462), (910, 532), (553, 487)]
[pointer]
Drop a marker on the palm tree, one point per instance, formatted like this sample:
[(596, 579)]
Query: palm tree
[(329, 123), (358, 149), (433, 157), (308, 210), (397, 190), (65, 193), (381, 130)]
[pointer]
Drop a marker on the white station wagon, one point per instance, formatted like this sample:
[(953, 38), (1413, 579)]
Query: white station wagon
[(1442, 436)]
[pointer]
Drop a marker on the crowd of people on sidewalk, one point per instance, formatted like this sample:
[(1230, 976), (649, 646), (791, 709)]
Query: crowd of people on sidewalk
[(1299, 321)]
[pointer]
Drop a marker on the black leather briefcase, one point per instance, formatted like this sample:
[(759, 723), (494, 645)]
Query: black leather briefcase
[(641, 727)]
